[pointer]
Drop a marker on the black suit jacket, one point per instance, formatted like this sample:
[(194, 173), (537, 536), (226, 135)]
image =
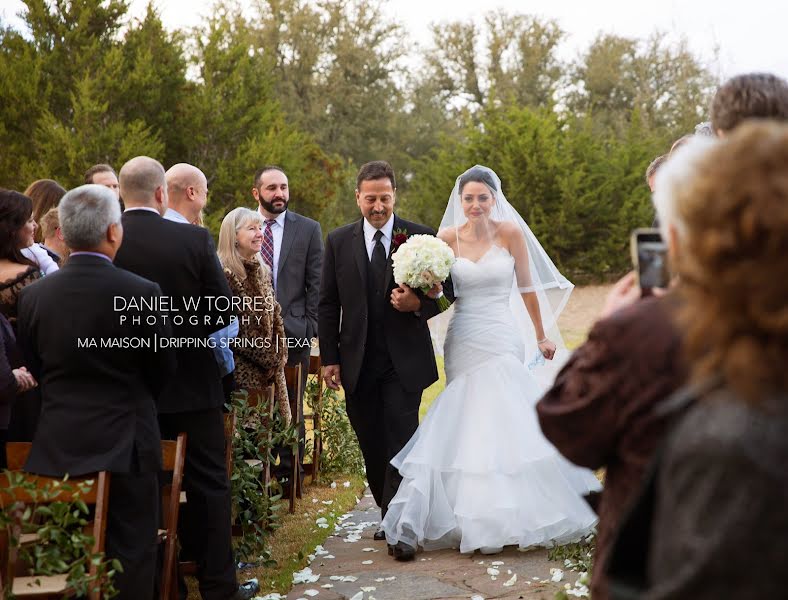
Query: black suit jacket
[(181, 258), (298, 281), (98, 408), (343, 312)]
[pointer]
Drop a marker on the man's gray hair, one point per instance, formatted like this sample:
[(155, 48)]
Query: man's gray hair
[(85, 215)]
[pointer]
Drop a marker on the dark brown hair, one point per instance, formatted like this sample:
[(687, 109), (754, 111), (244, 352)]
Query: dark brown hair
[(751, 96), (733, 267), (478, 175), (45, 194), (100, 168), (263, 170), (15, 210), (377, 169)]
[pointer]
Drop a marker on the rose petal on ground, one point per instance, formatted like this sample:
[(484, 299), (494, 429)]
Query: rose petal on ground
[(557, 575), (511, 581), (367, 562), (492, 571)]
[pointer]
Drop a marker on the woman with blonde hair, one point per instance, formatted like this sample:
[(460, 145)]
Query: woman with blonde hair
[(260, 350)]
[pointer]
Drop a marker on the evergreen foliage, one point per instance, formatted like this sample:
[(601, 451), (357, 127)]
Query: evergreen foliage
[(321, 87)]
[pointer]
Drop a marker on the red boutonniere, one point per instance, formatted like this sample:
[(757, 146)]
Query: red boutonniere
[(399, 237)]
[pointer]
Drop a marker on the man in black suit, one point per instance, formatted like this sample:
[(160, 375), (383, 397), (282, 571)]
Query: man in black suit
[(100, 373), (293, 250), (374, 339), (182, 260)]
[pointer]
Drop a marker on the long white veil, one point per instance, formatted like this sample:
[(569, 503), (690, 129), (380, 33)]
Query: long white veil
[(540, 276)]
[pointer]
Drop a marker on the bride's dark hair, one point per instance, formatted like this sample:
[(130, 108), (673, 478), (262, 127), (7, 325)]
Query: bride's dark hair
[(479, 176)]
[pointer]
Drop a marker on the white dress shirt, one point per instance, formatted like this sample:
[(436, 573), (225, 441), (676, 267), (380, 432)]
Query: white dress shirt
[(277, 231), (369, 235), (174, 215), (148, 208)]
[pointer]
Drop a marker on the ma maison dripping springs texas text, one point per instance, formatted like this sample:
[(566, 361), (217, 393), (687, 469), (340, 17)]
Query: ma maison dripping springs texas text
[(165, 310)]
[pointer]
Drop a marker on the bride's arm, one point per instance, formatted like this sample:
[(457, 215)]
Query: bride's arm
[(515, 242)]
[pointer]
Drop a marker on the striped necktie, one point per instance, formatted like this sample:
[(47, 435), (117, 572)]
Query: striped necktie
[(268, 245)]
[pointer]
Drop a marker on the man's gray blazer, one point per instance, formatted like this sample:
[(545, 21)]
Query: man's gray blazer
[(298, 282)]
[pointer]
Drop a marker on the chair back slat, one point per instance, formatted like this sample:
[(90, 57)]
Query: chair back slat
[(173, 456), (16, 454)]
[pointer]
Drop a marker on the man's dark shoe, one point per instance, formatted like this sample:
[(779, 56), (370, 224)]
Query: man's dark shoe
[(246, 591), (403, 551), (379, 536)]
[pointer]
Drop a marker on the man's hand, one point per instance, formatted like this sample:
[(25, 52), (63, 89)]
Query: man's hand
[(404, 299), (24, 380), (331, 376)]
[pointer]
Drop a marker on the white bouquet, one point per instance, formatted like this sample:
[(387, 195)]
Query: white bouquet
[(421, 262)]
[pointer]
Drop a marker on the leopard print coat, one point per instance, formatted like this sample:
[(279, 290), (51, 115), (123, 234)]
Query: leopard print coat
[(261, 361)]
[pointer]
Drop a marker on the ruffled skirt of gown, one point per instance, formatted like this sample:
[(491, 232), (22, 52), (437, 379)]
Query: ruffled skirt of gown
[(479, 473)]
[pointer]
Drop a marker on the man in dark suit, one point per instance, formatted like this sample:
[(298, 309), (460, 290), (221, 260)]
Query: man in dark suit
[(100, 373), (182, 260), (374, 339), (293, 249)]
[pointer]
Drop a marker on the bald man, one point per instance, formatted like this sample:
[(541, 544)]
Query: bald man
[(187, 189), (182, 259)]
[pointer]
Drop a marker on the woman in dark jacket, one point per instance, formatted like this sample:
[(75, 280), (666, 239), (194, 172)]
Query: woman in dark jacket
[(14, 379), (17, 231), (713, 521)]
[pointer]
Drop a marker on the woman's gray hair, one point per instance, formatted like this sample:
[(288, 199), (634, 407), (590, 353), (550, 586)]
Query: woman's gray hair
[(86, 213), (675, 175)]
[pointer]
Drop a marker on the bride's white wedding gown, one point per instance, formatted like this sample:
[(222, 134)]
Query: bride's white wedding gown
[(478, 472)]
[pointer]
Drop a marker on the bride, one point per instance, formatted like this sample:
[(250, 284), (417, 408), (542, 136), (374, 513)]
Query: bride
[(478, 473)]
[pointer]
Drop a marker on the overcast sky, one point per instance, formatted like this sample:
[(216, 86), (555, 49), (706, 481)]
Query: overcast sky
[(749, 34)]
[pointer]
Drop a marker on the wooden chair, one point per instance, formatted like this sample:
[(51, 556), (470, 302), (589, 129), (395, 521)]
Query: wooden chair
[(293, 378), (317, 446), (54, 586), (266, 397), (173, 456), (229, 436)]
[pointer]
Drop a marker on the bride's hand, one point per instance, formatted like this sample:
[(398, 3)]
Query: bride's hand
[(547, 348), (435, 290)]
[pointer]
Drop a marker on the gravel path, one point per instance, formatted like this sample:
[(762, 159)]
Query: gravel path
[(352, 566)]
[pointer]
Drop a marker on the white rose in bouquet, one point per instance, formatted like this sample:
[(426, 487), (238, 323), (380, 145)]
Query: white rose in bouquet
[(421, 262)]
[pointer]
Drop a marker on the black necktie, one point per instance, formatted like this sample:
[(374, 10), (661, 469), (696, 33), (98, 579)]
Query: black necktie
[(378, 263)]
